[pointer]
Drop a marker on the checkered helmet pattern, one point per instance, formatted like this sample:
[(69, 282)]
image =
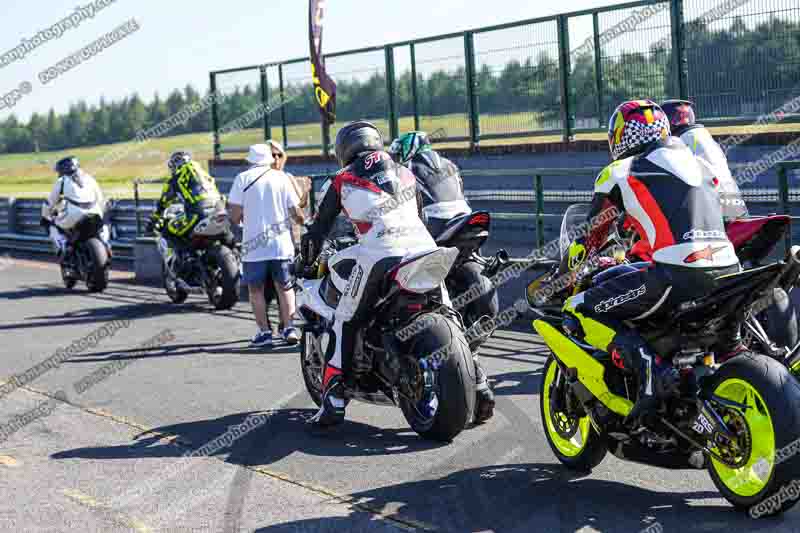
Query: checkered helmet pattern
[(634, 125)]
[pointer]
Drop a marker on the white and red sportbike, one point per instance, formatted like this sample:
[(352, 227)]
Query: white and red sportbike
[(411, 353)]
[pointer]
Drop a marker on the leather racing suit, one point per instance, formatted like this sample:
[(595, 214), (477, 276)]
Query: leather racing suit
[(680, 221), (706, 149), (440, 190), (71, 199), (379, 199)]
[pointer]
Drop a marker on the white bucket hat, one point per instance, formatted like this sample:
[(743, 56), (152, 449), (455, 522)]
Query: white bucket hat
[(260, 154)]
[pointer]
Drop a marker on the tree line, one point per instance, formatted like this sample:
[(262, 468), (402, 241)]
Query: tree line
[(735, 72)]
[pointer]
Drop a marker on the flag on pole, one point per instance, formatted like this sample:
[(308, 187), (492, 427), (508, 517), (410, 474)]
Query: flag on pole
[(324, 86)]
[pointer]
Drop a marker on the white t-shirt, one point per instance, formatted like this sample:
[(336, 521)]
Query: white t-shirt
[(265, 204)]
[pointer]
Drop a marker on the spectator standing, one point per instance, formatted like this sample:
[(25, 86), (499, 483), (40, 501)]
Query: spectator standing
[(265, 198), (302, 185)]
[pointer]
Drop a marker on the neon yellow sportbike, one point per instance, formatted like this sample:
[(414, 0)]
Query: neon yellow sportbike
[(740, 420)]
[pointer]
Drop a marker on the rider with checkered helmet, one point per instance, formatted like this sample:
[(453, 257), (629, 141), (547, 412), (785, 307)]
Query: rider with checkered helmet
[(657, 181)]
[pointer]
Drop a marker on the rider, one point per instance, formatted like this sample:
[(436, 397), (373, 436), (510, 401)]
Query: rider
[(80, 192), (378, 197), (658, 182), (440, 198), (682, 122), (439, 185), (193, 187)]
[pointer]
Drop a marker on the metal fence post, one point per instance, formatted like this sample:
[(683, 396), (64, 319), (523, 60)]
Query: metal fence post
[(564, 67), (680, 62), (214, 113), (414, 97), (783, 196), (390, 92), (265, 102), (472, 93), (598, 69), (12, 215), (539, 211), (136, 207), (284, 129)]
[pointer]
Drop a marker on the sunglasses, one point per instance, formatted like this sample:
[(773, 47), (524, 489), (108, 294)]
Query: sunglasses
[(277, 156)]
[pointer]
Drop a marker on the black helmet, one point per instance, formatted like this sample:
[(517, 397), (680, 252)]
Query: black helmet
[(177, 160), (68, 166), (356, 138), (680, 114)]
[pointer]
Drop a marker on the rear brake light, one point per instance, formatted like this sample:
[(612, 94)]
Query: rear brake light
[(414, 308), (481, 219)]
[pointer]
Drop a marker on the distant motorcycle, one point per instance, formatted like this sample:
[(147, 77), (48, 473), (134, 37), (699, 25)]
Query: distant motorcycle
[(87, 257), (203, 261)]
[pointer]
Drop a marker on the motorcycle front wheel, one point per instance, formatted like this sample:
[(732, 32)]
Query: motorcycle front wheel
[(572, 438), (312, 363), (175, 294)]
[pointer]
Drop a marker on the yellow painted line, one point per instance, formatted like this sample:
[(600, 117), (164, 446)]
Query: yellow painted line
[(91, 503), (7, 460), (407, 524)]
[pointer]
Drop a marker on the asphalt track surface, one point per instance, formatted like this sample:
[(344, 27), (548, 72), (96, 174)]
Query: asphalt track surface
[(113, 457)]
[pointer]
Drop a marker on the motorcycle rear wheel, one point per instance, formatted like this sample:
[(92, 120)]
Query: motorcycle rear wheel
[(455, 380), (97, 277), (770, 424), (228, 279)]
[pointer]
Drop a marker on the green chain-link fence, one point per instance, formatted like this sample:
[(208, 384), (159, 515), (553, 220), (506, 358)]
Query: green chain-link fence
[(559, 75)]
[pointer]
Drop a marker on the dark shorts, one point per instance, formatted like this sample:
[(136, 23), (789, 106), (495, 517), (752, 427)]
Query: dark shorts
[(258, 272)]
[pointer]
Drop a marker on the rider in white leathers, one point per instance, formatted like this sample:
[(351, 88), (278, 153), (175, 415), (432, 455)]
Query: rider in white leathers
[(709, 154), (379, 197), (75, 195)]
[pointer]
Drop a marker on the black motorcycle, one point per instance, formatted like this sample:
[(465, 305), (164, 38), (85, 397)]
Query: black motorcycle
[(470, 278), (205, 261)]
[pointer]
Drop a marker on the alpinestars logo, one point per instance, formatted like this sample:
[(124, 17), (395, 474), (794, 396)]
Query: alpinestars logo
[(706, 253), (699, 234), (611, 303)]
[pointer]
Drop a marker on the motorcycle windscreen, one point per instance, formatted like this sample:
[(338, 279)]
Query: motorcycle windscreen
[(426, 272), (574, 216)]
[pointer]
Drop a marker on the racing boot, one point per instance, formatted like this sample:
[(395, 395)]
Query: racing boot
[(658, 379), (484, 401), (331, 412)]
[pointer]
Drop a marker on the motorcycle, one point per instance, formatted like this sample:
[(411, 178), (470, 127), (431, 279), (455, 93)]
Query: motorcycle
[(770, 328), (204, 261), (412, 353), (473, 271), (737, 419), (87, 257)]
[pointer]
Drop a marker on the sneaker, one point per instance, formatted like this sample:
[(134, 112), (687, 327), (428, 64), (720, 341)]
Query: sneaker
[(291, 336), (262, 338)]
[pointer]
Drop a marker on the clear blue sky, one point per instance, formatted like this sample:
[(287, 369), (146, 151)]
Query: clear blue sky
[(180, 41)]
